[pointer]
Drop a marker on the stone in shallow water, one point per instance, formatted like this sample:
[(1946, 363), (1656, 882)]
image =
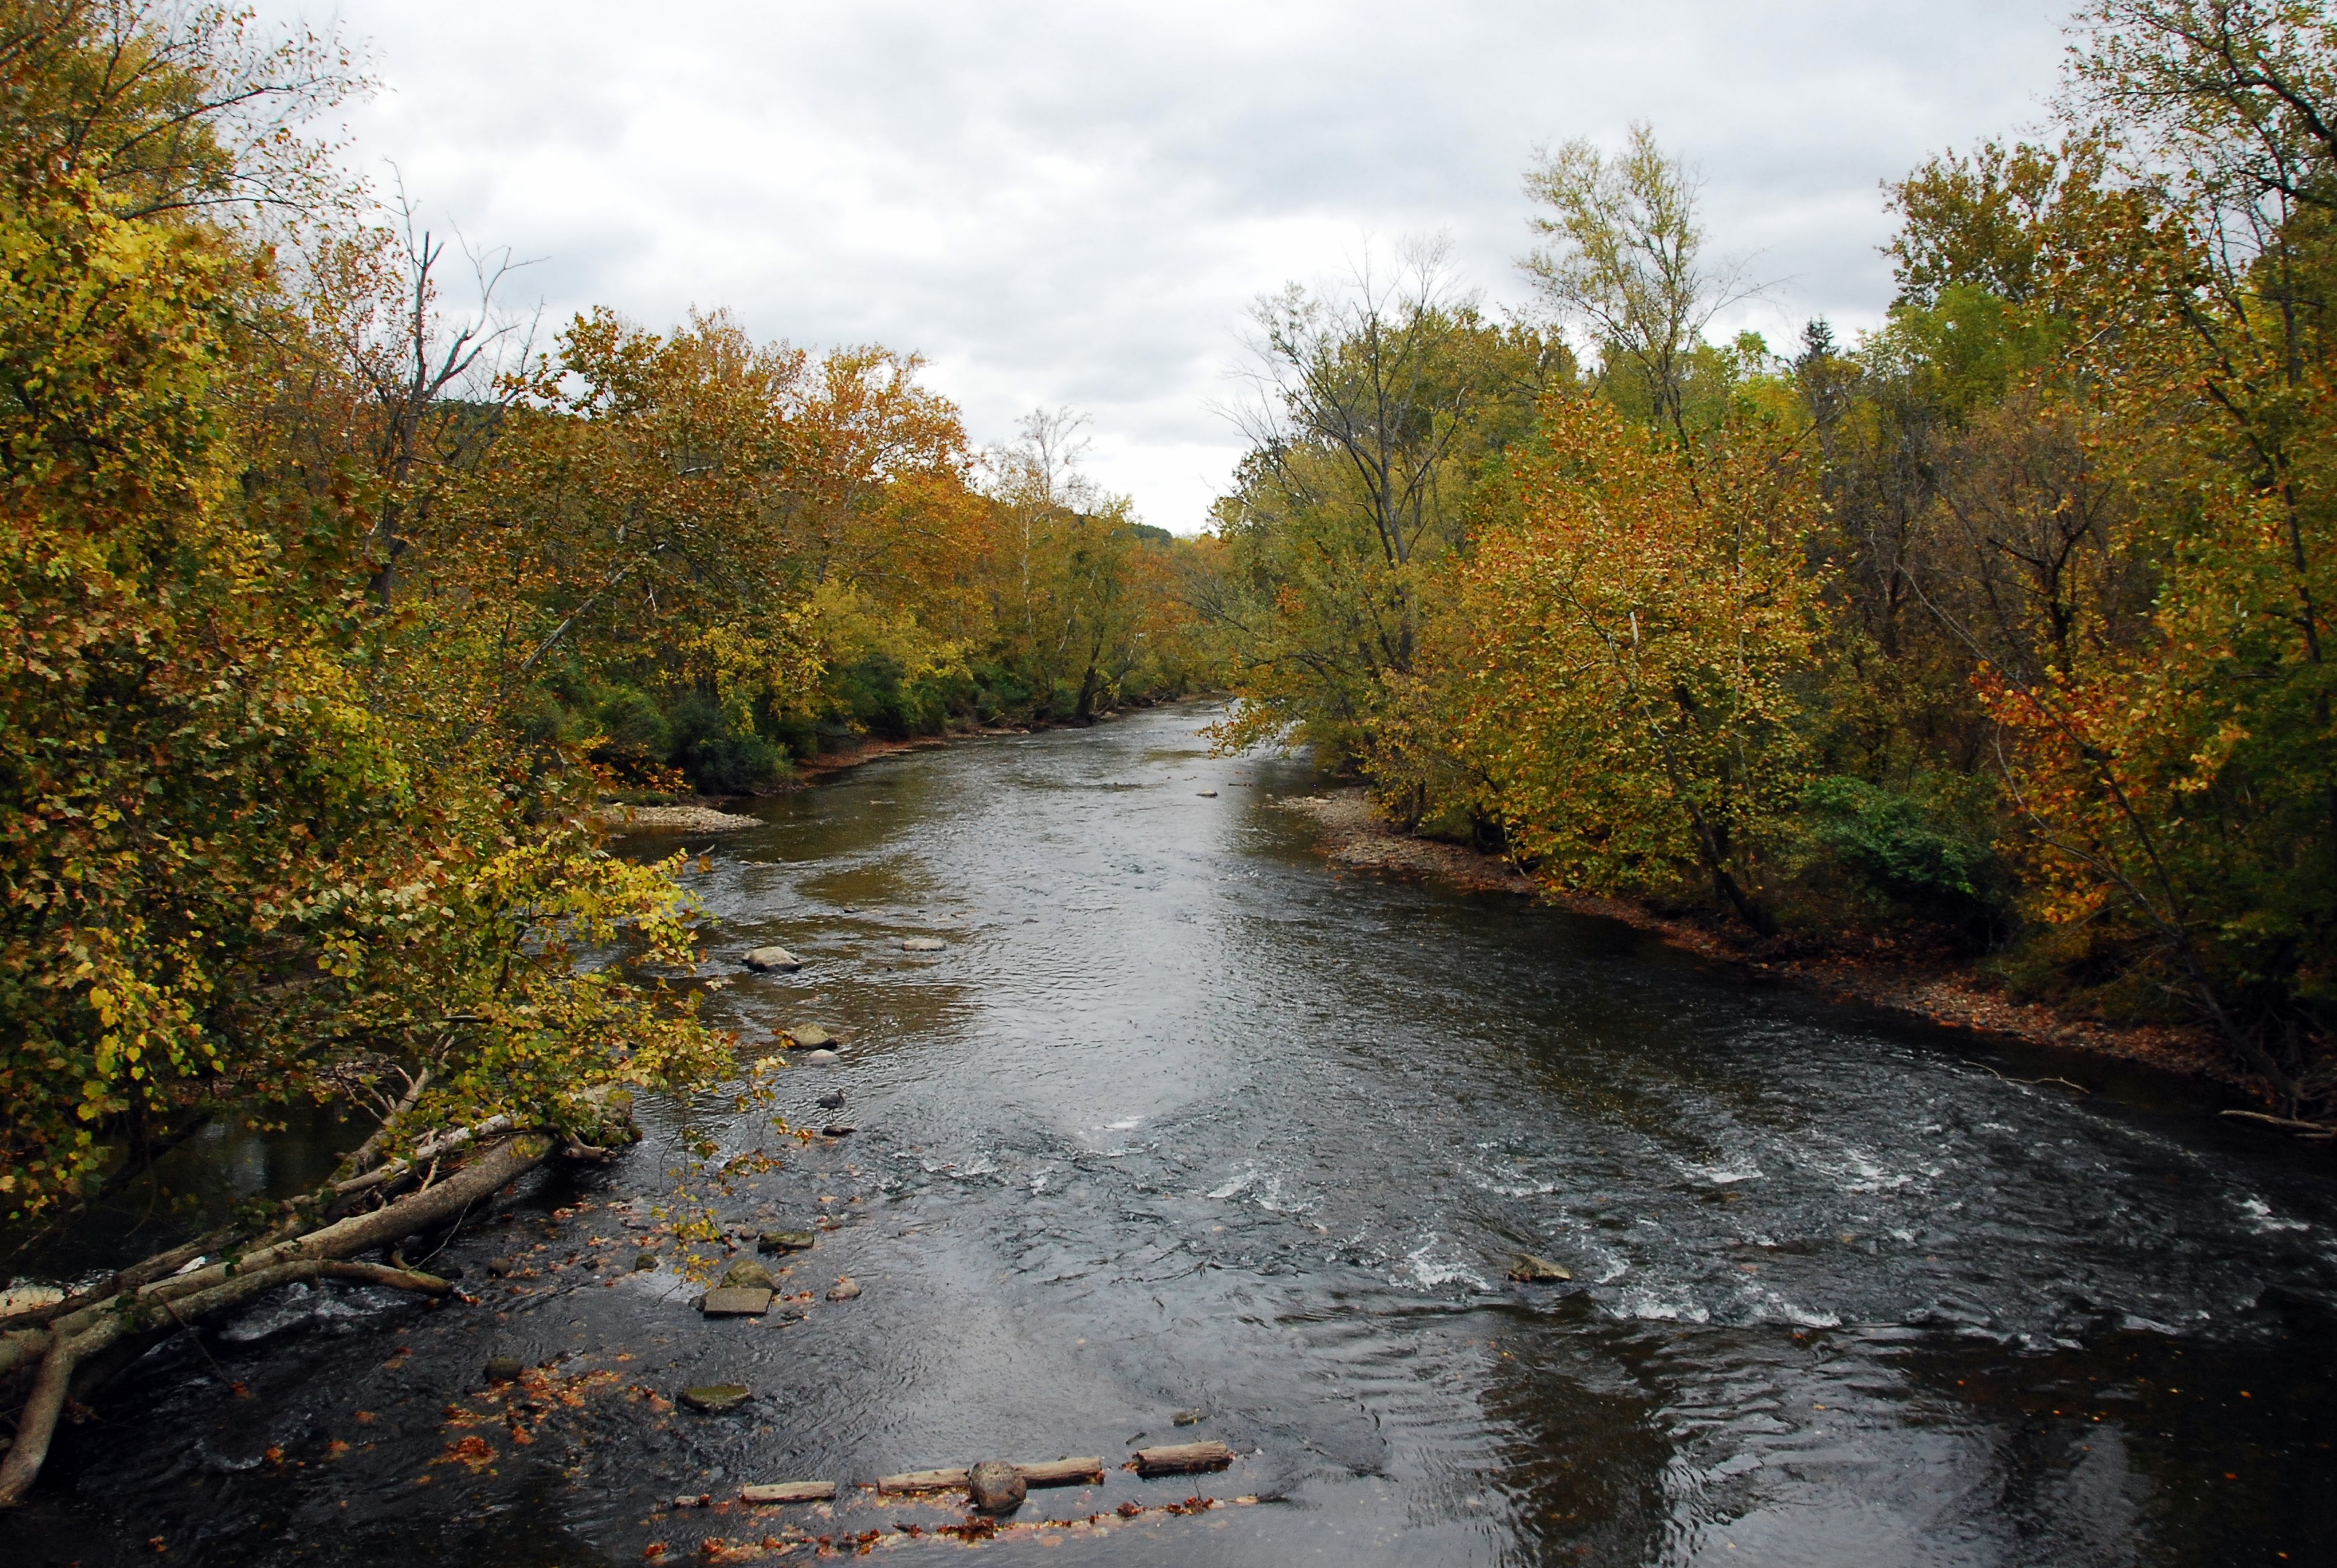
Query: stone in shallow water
[(811, 1036), (787, 1241), (765, 959), (1528, 1270), (922, 944), (844, 1290), (735, 1303), (504, 1369), (839, 1130), (996, 1486), (819, 1058), (713, 1398), (1189, 1417), (644, 1260), (748, 1274)]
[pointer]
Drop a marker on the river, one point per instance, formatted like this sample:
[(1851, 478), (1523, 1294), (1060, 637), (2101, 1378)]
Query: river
[(1182, 1120)]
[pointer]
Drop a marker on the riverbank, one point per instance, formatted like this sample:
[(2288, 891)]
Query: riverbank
[(1952, 994)]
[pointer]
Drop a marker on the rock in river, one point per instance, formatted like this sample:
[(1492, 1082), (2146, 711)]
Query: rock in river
[(1528, 1270), (713, 1398), (996, 1486), (922, 943), (832, 1101), (505, 1370), (845, 1289), (734, 1302), (811, 1036), (821, 1058), (786, 1240), (762, 960), (748, 1274)]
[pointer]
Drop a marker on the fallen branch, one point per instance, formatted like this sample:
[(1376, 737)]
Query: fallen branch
[(429, 1150), (161, 1306), (2286, 1123)]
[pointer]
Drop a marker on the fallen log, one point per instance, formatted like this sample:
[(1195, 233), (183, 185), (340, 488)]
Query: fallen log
[(2286, 1123), (1183, 1458), (949, 1480), (787, 1491), (160, 1307), (1064, 1472)]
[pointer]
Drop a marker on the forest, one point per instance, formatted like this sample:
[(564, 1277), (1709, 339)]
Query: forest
[(2002, 630)]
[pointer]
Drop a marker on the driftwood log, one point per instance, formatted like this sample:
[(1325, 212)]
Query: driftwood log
[(787, 1491), (1183, 1458), (170, 1292)]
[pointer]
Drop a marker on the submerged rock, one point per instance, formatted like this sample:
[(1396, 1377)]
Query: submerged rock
[(845, 1289), (996, 1486), (820, 1058), (762, 960), (922, 943), (1528, 1270), (832, 1101), (811, 1036), (504, 1368), (713, 1398), (748, 1274), (839, 1130)]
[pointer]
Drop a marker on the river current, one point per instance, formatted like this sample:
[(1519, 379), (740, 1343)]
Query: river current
[(1182, 1120)]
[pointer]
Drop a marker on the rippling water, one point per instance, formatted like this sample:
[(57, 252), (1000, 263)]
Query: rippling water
[(1180, 1119)]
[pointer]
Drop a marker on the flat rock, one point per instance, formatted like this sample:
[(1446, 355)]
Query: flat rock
[(811, 1036), (713, 1398), (764, 960), (1206, 794), (735, 1303), (787, 1241), (822, 1058), (839, 1130), (922, 943), (844, 1290), (748, 1274), (1528, 1270), (996, 1486)]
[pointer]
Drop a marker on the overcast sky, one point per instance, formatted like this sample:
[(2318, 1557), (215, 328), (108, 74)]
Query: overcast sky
[(1074, 202)]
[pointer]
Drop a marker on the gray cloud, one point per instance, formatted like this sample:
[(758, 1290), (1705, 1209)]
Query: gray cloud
[(1074, 202)]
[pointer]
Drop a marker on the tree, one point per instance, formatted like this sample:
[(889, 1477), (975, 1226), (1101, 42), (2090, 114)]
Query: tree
[(1626, 266)]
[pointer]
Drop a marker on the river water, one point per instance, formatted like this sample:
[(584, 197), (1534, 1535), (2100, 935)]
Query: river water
[(1180, 1119)]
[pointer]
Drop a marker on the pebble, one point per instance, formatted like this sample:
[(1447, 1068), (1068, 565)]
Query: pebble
[(762, 960), (644, 1261), (1206, 794), (500, 1266), (996, 1486), (844, 1290), (1189, 1417)]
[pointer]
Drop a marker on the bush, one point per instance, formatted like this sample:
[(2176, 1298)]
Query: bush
[(1898, 851)]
